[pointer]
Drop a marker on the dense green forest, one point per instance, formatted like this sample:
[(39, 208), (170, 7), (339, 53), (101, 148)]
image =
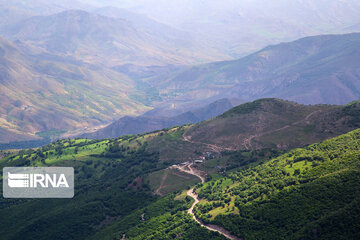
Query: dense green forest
[(163, 219)]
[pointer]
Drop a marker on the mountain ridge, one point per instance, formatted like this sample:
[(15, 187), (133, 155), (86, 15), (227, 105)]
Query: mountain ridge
[(99, 39), (311, 70)]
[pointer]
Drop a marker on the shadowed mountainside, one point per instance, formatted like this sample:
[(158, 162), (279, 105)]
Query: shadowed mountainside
[(141, 124)]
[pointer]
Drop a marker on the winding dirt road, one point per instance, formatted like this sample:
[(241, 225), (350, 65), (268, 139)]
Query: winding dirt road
[(190, 170)]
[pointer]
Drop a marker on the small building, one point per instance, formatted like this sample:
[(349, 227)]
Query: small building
[(199, 161)]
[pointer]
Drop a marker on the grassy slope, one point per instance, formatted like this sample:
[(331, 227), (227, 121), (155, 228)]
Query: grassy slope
[(309, 193)]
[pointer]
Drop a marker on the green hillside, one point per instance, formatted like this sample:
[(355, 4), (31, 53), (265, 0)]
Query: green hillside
[(309, 193), (163, 219), (125, 186)]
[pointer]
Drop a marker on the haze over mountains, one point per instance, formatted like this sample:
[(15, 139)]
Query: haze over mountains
[(236, 28), (242, 27), (98, 39), (312, 70)]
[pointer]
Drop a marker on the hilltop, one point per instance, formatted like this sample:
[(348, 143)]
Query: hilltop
[(264, 123), (275, 123)]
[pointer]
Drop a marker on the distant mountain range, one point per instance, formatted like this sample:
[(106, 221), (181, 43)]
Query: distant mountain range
[(39, 75), (98, 39), (242, 27), (233, 28), (319, 69)]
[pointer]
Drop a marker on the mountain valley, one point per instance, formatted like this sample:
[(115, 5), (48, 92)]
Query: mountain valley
[(181, 119)]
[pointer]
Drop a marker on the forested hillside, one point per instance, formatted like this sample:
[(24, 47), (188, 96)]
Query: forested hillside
[(309, 193)]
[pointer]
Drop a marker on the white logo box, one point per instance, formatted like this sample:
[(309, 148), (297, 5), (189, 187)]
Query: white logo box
[(38, 182)]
